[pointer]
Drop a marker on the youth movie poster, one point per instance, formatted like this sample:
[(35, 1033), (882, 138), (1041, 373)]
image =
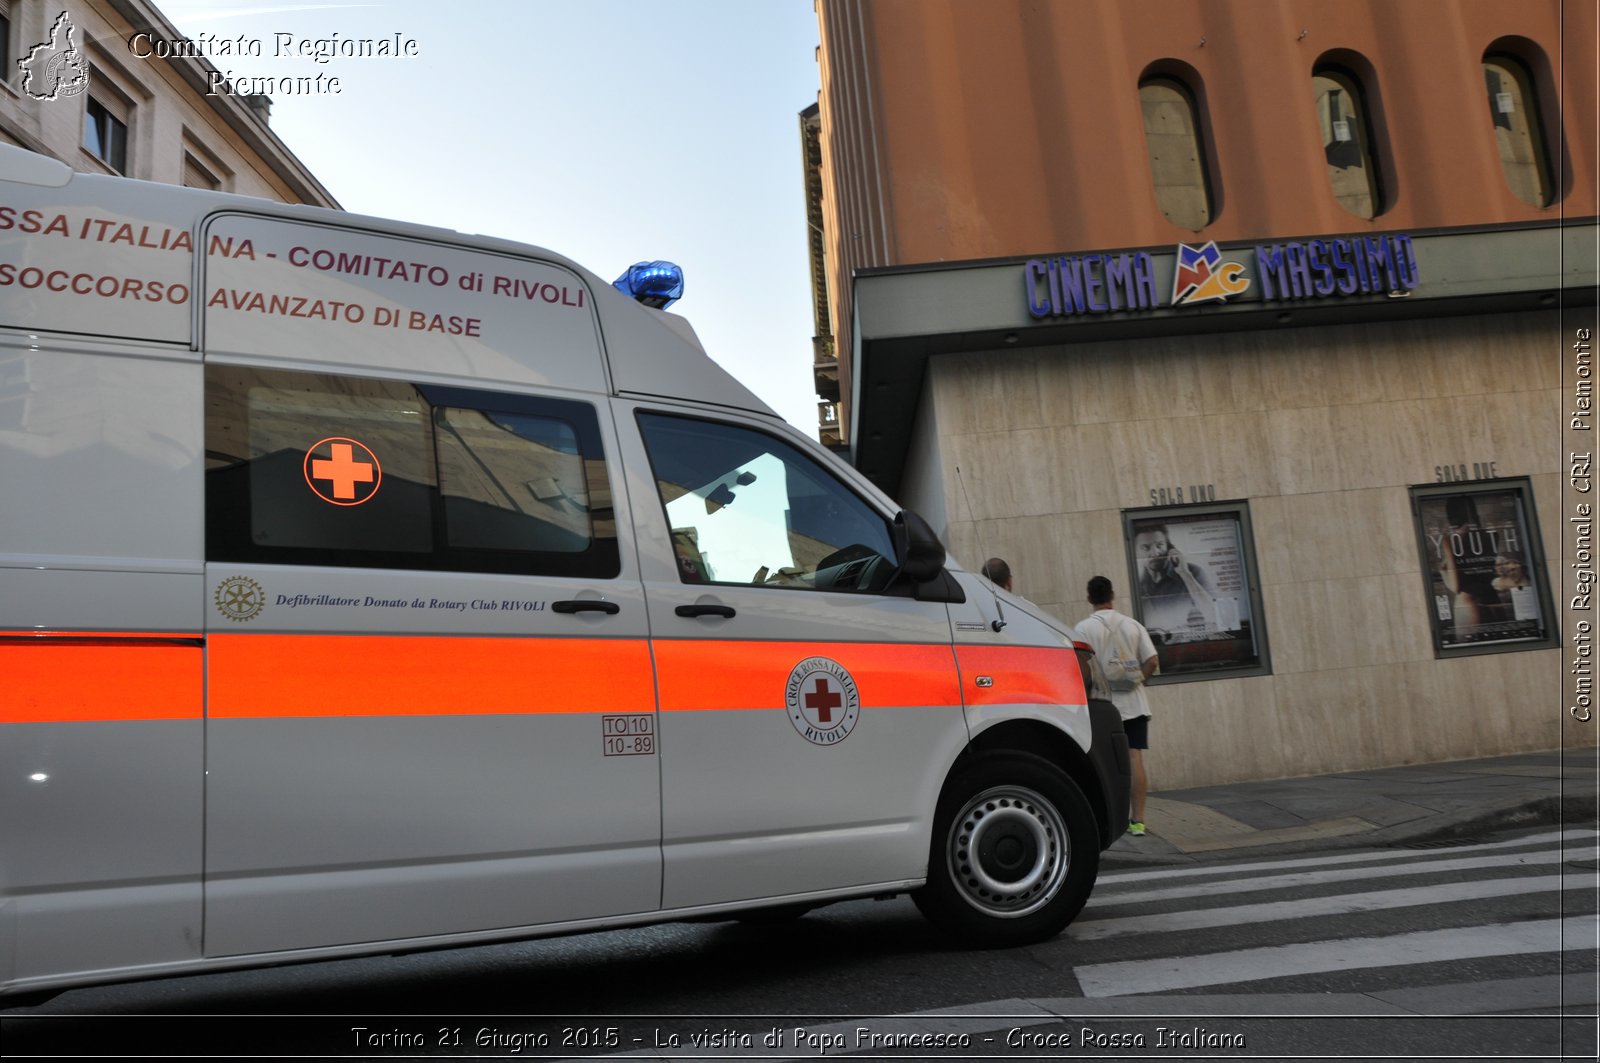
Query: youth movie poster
[(1193, 592), (1480, 570)]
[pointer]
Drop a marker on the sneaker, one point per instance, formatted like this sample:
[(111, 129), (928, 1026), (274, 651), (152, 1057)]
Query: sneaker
[(1136, 829)]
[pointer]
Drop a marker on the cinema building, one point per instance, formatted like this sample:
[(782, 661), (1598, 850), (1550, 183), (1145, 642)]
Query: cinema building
[(1267, 311)]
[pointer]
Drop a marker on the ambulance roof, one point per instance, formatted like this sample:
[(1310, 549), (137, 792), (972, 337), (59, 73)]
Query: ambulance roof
[(86, 254)]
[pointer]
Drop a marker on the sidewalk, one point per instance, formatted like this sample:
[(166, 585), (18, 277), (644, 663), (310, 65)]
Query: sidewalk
[(1388, 806)]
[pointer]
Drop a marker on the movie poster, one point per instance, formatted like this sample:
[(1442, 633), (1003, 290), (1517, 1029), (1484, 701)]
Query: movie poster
[(1480, 571), (1192, 591)]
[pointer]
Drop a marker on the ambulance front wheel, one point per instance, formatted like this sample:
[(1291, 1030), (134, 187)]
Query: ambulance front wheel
[(1014, 854)]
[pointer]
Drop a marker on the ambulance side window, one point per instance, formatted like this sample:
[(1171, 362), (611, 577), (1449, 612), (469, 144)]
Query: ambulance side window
[(748, 508), (318, 469)]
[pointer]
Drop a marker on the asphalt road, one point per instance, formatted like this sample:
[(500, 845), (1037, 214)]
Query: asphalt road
[(1483, 949)]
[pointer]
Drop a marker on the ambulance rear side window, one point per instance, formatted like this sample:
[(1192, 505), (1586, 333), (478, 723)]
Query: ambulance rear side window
[(319, 469)]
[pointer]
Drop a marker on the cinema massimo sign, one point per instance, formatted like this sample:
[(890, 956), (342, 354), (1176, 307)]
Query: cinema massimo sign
[(1067, 286)]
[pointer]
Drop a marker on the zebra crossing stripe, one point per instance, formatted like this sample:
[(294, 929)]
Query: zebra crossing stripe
[(1129, 977), (1167, 874), (1343, 874), (1311, 907)]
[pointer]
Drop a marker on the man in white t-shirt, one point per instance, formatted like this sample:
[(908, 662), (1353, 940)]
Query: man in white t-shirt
[(1106, 629)]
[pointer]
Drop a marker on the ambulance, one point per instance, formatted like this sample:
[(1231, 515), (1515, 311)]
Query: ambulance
[(367, 587)]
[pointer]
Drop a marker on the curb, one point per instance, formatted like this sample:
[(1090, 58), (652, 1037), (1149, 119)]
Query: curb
[(1576, 810)]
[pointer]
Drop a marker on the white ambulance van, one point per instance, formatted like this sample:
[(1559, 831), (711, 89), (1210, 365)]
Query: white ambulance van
[(369, 587)]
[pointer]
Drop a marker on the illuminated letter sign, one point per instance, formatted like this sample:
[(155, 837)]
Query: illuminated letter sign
[(1064, 286), (1069, 285), (1343, 266)]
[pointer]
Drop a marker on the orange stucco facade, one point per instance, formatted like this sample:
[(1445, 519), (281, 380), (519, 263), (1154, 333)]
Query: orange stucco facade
[(955, 130)]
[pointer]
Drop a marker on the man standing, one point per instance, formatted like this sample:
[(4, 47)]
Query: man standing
[(1128, 657)]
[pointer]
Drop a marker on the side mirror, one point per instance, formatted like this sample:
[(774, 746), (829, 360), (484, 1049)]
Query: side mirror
[(921, 552)]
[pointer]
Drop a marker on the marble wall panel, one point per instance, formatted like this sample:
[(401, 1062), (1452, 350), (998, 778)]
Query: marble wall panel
[(1322, 431)]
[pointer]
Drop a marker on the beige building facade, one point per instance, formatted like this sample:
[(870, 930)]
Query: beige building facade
[(1273, 313), (115, 88)]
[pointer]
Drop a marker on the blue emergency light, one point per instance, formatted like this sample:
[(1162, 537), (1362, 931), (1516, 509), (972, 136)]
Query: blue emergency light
[(655, 284)]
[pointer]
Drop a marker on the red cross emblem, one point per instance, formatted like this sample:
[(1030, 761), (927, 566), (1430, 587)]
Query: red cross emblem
[(823, 701), (342, 471)]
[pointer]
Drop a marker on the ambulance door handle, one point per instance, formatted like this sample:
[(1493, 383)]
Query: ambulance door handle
[(585, 605), (726, 611)]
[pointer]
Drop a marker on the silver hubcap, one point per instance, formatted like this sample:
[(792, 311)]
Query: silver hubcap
[(1008, 852)]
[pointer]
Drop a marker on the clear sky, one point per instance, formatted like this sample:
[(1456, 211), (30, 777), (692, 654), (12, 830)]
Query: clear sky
[(610, 131)]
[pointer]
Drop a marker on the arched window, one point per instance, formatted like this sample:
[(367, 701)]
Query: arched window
[(1347, 141), (1514, 110), (1177, 162)]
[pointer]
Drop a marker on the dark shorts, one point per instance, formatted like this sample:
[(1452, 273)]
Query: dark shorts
[(1138, 732)]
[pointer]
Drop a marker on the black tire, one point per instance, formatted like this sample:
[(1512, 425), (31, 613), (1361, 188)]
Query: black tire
[(1035, 859)]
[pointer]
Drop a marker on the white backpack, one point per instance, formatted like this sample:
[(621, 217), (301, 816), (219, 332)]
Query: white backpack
[(1120, 662)]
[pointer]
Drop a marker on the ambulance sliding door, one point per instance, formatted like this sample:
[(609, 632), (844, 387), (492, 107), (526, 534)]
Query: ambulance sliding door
[(430, 704), (430, 708), (808, 705)]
